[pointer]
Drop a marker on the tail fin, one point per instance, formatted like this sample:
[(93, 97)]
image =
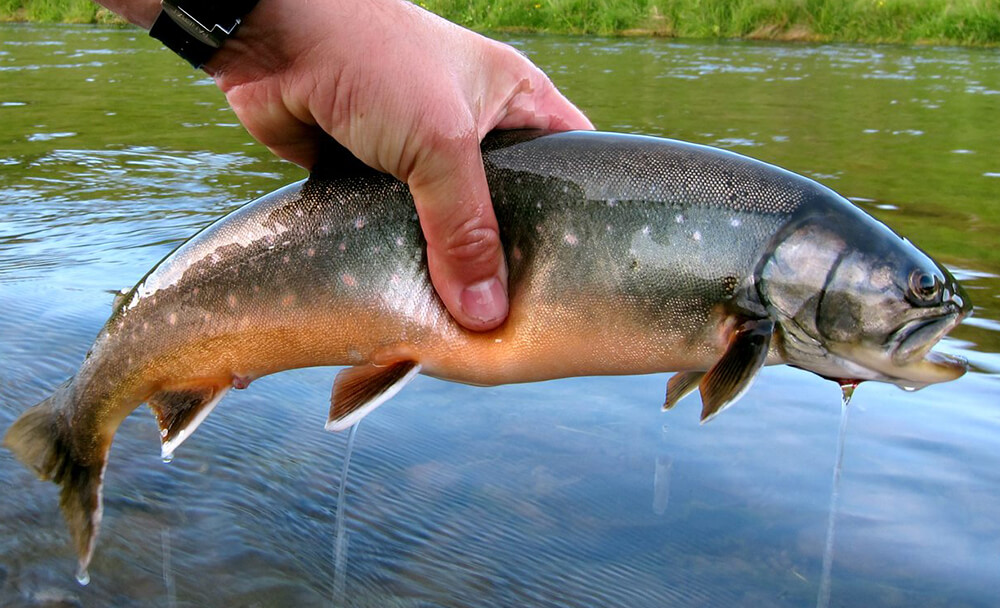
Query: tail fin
[(40, 439)]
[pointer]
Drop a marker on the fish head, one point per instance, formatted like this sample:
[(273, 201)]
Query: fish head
[(854, 301)]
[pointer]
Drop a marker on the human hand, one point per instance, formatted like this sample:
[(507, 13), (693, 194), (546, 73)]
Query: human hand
[(408, 93)]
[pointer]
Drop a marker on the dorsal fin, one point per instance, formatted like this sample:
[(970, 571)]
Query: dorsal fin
[(732, 375), (681, 385), (360, 389), (179, 411)]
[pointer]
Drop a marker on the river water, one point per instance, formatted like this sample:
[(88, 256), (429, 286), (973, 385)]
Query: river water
[(576, 492)]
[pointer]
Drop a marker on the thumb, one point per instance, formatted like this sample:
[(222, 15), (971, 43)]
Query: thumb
[(464, 252)]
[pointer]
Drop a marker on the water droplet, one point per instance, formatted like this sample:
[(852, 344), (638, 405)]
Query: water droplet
[(168, 458), (83, 577)]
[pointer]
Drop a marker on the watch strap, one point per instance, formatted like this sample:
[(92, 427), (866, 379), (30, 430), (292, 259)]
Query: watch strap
[(196, 31)]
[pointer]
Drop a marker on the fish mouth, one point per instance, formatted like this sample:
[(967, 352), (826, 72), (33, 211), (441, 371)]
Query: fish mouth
[(916, 338), (914, 363)]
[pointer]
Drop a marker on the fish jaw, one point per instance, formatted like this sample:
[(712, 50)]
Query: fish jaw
[(907, 359)]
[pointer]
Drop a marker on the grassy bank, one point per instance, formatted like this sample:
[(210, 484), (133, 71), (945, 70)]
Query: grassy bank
[(56, 11), (965, 22)]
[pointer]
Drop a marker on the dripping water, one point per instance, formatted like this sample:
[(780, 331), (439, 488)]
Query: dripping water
[(340, 538), (168, 569), (823, 598)]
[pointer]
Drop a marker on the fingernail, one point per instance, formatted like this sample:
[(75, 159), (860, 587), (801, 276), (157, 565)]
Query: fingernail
[(485, 301)]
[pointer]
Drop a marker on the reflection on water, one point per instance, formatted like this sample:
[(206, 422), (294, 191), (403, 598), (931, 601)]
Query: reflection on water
[(571, 493)]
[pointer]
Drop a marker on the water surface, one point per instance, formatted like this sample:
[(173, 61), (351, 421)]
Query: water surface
[(575, 492)]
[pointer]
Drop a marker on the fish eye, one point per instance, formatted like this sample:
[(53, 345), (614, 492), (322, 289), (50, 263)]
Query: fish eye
[(924, 286)]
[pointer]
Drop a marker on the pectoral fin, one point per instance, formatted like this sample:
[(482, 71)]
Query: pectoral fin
[(732, 375), (179, 411), (360, 389), (681, 385)]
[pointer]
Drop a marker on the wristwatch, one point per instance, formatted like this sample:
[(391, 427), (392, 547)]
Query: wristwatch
[(195, 29)]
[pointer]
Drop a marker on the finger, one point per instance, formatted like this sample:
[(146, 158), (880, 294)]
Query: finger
[(536, 103), (464, 253), (270, 122)]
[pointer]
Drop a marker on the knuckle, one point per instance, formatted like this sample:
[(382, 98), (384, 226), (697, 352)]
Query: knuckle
[(474, 244)]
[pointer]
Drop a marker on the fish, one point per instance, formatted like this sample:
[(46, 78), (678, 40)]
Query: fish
[(626, 254)]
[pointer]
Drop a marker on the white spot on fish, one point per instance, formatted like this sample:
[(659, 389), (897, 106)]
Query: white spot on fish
[(679, 218), (145, 326), (570, 238), (645, 229), (517, 254), (342, 247), (612, 202), (399, 241), (696, 235), (498, 341), (172, 318), (538, 205), (735, 222), (298, 213), (207, 317), (348, 280), (231, 300), (285, 259), (359, 223), (565, 188)]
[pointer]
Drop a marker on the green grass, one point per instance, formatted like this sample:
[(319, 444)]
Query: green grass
[(965, 22), (55, 11)]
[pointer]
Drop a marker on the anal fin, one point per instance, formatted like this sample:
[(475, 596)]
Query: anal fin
[(179, 411), (732, 375), (360, 389), (681, 385)]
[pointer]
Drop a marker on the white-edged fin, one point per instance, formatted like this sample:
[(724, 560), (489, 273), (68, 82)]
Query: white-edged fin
[(180, 411), (360, 389), (679, 386), (733, 374)]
